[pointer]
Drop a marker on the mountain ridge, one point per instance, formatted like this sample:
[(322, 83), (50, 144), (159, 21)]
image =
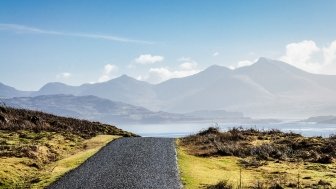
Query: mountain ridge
[(266, 88), (215, 67), (91, 108), (107, 111)]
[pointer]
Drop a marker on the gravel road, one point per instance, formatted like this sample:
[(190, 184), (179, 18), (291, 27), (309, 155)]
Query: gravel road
[(127, 163)]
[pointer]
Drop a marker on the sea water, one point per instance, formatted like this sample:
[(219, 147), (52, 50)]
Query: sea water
[(183, 129)]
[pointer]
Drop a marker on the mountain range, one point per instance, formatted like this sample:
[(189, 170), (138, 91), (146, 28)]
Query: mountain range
[(268, 88), (322, 119), (107, 111), (92, 108)]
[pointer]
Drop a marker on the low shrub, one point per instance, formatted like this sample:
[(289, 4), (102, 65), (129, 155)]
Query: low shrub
[(13, 119), (261, 144), (224, 184), (252, 162)]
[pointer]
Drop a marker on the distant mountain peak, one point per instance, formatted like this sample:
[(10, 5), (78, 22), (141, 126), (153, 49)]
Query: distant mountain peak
[(123, 78), (216, 69), (53, 85), (267, 63), (216, 66), (263, 59)]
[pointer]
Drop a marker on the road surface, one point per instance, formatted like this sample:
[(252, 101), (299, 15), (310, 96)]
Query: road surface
[(142, 163)]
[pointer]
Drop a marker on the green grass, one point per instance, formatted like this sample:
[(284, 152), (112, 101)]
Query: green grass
[(36, 148), (38, 169), (62, 166), (197, 172), (202, 163)]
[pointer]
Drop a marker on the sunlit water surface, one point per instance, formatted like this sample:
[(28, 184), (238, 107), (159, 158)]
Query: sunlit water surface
[(183, 129)]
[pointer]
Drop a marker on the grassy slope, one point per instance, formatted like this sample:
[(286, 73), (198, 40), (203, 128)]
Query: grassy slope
[(20, 172), (71, 161), (37, 148), (202, 171)]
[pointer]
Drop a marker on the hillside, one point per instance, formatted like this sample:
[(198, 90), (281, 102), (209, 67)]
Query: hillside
[(107, 111), (8, 92), (322, 119), (267, 89), (13, 119), (94, 108), (123, 88), (36, 148)]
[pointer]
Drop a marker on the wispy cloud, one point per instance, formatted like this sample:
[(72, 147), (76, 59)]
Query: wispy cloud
[(27, 29)]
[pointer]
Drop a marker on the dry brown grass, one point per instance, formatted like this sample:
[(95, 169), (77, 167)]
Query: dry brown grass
[(261, 145), (265, 158), (12, 119), (34, 144)]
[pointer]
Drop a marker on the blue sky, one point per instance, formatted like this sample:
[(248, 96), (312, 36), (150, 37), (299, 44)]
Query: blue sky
[(77, 42)]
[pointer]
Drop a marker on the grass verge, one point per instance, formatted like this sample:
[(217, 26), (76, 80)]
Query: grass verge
[(36, 148), (25, 172), (55, 170), (201, 166)]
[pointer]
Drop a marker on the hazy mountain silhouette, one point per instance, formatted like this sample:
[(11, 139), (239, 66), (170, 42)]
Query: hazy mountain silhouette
[(92, 108), (123, 88), (99, 109), (8, 92), (268, 88), (322, 119)]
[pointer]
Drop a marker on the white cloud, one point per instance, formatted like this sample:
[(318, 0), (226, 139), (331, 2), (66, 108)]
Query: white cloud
[(242, 64), (148, 59), (187, 63), (186, 67), (301, 51), (27, 29), (64, 75), (157, 75), (108, 73), (329, 53), (301, 55), (307, 56), (215, 54)]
